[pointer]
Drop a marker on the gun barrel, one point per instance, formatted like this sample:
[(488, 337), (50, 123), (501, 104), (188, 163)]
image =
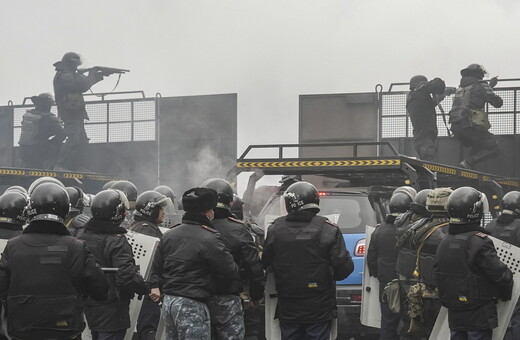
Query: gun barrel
[(103, 69)]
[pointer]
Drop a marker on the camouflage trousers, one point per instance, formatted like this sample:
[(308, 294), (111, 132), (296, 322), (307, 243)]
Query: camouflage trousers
[(227, 317), (185, 318)]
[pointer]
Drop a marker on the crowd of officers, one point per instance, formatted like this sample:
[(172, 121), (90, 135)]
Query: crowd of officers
[(468, 116), (432, 251), (63, 265)]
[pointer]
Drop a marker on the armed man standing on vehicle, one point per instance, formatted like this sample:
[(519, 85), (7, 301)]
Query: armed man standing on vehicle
[(421, 107), (42, 134), (191, 260), (45, 272), (470, 276), (382, 257), (506, 227), (307, 254), (225, 307), (468, 118), (110, 319)]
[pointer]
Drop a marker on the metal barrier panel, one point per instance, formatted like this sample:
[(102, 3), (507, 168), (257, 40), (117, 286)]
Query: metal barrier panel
[(126, 120), (395, 122)]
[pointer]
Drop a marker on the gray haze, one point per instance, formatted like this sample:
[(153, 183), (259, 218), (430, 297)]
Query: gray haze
[(267, 51)]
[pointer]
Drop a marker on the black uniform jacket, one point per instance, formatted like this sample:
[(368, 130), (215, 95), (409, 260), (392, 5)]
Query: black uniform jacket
[(191, 259), (44, 274), (9, 230), (111, 249), (240, 243), (144, 226), (382, 252), (308, 254), (470, 277)]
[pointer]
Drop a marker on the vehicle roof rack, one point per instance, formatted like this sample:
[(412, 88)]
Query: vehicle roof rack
[(389, 169)]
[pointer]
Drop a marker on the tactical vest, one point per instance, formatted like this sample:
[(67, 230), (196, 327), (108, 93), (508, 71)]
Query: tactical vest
[(430, 240), (509, 233), (43, 302), (407, 255), (461, 104), (30, 128), (460, 286), (301, 266)]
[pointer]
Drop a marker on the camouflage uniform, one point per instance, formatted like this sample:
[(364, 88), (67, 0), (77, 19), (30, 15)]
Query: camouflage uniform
[(227, 316), (185, 318)]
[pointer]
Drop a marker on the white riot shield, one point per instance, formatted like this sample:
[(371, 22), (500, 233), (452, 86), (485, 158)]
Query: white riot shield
[(144, 248), (3, 243), (510, 255), (370, 307)]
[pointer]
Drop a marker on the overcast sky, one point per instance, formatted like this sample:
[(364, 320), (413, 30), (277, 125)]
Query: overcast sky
[(267, 51)]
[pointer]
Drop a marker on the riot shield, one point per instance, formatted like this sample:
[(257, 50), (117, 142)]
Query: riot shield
[(370, 307), (143, 247), (510, 255)]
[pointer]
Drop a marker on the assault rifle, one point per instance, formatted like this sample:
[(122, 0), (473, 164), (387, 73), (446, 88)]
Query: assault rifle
[(105, 70)]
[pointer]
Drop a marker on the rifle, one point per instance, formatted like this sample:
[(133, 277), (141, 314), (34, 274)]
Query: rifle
[(105, 70)]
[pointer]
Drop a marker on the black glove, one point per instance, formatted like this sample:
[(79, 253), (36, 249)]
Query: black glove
[(493, 81)]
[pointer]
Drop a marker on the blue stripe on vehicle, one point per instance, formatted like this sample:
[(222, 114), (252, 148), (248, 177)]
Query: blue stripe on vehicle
[(357, 275)]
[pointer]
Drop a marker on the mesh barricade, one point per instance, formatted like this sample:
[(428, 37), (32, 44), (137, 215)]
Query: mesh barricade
[(396, 124), (110, 121)]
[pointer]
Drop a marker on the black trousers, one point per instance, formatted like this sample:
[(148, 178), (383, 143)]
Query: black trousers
[(297, 331), (472, 335), (149, 317)]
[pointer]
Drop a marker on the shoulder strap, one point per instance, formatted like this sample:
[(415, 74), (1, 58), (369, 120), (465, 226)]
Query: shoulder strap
[(417, 272)]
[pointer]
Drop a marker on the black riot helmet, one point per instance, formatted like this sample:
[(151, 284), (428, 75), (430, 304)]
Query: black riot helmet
[(400, 203), (237, 208), (511, 203), (13, 207), (129, 189), (49, 202), (71, 59), (301, 195), (108, 184), (417, 81), (76, 198), (418, 206), (109, 206), (466, 205), (150, 203), (223, 189), (166, 191), (16, 188), (474, 70), (42, 180)]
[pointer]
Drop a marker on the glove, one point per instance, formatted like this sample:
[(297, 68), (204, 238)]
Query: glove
[(493, 81)]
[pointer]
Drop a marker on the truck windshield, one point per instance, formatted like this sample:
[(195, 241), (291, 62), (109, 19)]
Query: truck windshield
[(351, 212)]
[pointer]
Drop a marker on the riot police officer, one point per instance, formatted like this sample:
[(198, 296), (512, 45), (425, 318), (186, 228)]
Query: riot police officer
[(415, 266), (75, 219), (470, 276), (469, 121), (102, 234), (50, 306), (12, 214), (69, 86), (12, 218), (42, 134), (382, 257), (191, 259), (150, 208), (307, 254), (421, 108), (507, 228), (226, 306), (130, 191)]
